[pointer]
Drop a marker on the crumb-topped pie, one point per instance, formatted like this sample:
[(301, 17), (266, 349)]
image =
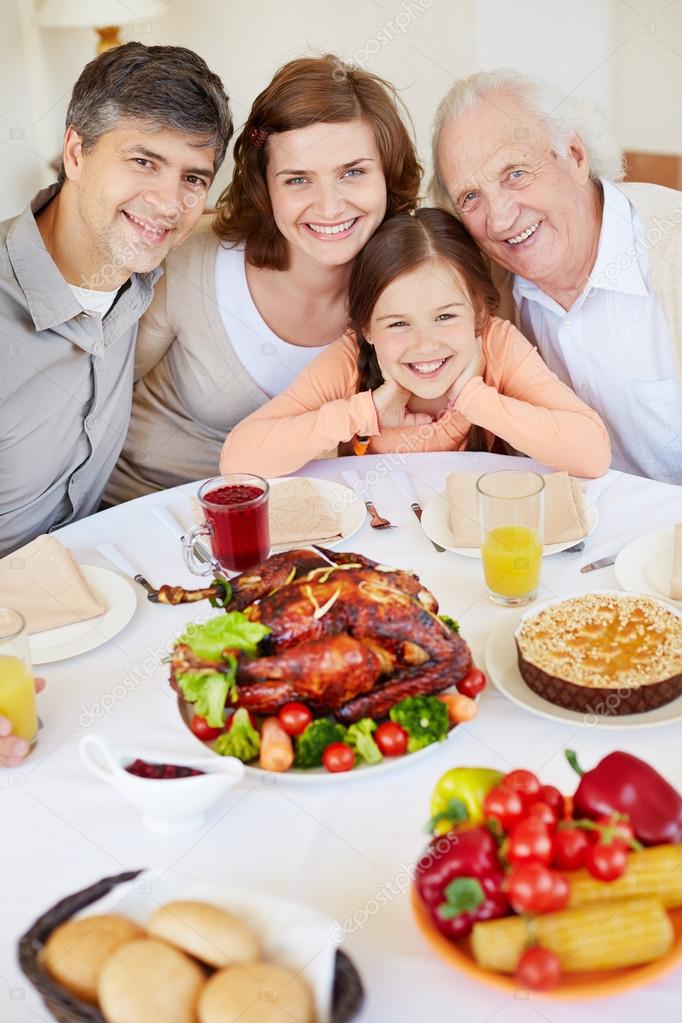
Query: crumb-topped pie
[(603, 653)]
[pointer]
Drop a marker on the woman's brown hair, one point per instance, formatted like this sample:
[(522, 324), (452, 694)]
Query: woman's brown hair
[(308, 91), (404, 243)]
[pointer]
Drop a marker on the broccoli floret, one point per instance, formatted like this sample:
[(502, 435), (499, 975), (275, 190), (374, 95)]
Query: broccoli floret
[(242, 740), (424, 717), (312, 743), (359, 737), (450, 622)]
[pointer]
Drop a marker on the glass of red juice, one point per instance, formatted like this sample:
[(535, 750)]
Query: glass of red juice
[(236, 510)]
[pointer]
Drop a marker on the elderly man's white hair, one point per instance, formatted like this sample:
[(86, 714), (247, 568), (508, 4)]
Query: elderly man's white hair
[(564, 117)]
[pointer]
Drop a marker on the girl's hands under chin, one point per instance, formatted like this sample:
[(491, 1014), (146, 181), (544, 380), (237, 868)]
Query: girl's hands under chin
[(474, 369), (390, 401)]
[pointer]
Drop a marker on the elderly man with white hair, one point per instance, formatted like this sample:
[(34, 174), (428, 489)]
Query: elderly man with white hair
[(589, 268)]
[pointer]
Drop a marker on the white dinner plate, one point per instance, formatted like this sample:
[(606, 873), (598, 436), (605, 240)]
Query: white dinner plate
[(341, 500), (501, 662), (113, 592), (320, 775), (644, 566), (436, 525)]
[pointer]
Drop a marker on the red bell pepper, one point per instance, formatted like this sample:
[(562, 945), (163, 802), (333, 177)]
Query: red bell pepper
[(459, 878), (621, 783)]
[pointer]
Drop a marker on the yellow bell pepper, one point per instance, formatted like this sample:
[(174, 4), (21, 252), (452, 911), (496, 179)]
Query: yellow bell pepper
[(459, 795)]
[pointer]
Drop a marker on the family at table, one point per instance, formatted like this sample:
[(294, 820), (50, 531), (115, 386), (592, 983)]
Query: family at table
[(533, 305)]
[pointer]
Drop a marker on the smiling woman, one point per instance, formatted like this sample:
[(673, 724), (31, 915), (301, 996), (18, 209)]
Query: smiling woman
[(323, 159)]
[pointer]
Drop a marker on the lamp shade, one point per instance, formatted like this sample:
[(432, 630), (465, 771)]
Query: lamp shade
[(96, 13)]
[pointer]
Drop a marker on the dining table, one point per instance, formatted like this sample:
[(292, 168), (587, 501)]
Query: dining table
[(348, 849)]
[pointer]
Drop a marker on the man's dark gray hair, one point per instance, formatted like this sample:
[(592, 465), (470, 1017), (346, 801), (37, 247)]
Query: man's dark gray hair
[(164, 86)]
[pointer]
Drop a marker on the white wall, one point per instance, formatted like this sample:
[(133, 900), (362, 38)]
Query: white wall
[(648, 78), (601, 48)]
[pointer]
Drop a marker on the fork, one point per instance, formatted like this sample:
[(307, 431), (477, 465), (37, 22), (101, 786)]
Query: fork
[(376, 520), (356, 484)]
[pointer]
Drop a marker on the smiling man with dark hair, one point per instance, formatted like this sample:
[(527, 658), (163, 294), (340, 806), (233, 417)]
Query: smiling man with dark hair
[(146, 131)]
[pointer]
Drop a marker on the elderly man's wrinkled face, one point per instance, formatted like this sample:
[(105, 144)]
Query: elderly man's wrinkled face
[(527, 209)]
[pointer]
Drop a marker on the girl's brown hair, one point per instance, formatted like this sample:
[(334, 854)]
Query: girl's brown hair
[(404, 243), (308, 91)]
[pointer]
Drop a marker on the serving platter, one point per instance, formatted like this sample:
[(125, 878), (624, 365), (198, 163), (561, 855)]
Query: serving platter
[(319, 775), (572, 987), (501, 663)]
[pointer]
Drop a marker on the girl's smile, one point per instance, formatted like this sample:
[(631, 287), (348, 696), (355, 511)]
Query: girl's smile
[(423, 328)]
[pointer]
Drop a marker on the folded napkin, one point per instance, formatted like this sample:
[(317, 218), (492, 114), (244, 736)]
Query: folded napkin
[(564, 509), (44, 583), (676, 577), (299, 514)]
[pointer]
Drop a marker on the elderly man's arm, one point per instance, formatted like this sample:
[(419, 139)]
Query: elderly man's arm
[(521, 401)]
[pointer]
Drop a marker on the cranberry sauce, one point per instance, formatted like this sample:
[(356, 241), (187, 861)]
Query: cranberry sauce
[(241, 535), (160, 771)]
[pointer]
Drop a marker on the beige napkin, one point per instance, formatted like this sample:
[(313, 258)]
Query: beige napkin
[(44, 583), (676, 578), (564, 509), (299, 514)]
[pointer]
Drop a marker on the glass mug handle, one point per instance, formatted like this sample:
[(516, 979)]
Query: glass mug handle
[(194, 564)]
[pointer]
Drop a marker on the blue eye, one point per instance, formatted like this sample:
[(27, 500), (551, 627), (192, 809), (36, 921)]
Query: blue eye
[(354, 171), (513, 174), (295, 181)]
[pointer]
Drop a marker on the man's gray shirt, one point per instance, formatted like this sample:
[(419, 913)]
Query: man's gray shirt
[(66, 382)]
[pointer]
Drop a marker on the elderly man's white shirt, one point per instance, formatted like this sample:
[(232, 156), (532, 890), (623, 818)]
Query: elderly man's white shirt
[(613, 346)]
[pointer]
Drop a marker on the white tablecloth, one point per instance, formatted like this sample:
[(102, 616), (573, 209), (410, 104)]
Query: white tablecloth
[(344, 849)]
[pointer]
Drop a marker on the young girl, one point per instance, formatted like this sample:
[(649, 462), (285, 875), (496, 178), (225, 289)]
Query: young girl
[(427, 367), (261, 289)]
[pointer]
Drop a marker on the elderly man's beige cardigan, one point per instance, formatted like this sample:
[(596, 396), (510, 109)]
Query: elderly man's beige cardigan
[(660, 210)]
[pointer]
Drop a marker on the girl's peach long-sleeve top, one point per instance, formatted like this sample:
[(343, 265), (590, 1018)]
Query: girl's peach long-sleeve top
[(518, 399)]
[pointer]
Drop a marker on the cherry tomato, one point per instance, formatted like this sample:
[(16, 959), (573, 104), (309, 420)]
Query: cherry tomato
[(570, 847), (606, 862), (550, 794), (530, 842), (338, 756), (505, 806), (620, 830), (391, 738), (525, 783), (534, 888), (295, 718), (538, 969), (203, 730), (543, 812), (472, 684)]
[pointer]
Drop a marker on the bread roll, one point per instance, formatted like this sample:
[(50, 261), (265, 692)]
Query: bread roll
[(258, 993), (147, 981), (76, 951), (205, 932)]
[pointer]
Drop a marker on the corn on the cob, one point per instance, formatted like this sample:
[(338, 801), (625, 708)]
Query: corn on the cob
[(656, 871), (604, 936)]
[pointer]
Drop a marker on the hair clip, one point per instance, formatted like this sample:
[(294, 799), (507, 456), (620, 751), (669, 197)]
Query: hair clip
[(259, 136)]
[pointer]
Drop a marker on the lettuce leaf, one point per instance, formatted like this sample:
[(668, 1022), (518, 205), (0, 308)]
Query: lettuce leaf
[(208, 691), (232, 630)]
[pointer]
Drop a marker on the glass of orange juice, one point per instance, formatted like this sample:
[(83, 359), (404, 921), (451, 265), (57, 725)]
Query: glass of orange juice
[(511, 515), (17, 689)]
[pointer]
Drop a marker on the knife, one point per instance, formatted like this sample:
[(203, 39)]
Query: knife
[(600, 563), (112, 554), (406, 488), (166, 518)]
